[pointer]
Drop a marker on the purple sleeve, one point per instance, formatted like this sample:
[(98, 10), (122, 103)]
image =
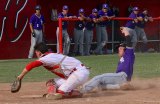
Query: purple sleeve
[(32, 20), (100, 13), (60, 15), (132, 15), (69, 15), (110, 13)]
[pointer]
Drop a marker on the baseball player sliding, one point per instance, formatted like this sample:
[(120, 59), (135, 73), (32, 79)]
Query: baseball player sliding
[(71, 71), (120, 79)]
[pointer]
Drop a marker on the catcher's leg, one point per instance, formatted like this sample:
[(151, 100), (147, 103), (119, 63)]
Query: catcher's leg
[(67, 89)]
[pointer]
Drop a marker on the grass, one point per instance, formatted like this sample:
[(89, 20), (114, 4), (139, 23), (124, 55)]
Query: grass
[(146, 66)]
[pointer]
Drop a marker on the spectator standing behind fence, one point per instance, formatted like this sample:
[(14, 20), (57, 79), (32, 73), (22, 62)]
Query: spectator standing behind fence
[(65, 36), (101, 33), (88, 32), (141, 35), (79, 33), (131, 25), (37, 29)]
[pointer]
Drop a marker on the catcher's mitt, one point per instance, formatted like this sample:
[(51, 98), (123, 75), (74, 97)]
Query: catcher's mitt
[(16, 86)]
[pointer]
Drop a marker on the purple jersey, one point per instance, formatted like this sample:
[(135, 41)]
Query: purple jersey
[(79, 25), (101, 14), (141, 24), (90, 25), (131, 24), (126, 63), (37, 22), (64, 23)]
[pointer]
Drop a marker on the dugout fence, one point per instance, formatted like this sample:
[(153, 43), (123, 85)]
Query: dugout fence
[(114, 27)]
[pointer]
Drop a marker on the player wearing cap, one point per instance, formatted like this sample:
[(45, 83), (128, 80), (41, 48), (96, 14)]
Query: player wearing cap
[(78, 33), (131, 25), (140, 28), (88, 32), (101, 33), (37, 29), (66, 45), (120, 79)]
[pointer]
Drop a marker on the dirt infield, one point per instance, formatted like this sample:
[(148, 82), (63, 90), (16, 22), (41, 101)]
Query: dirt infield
[(145, 92)]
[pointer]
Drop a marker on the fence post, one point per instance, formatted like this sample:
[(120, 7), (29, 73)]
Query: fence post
[(60, 35), (112, 36)]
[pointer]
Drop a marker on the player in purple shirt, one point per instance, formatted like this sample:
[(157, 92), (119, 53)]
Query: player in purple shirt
[(131, 25), (122, 77), (66, 44), (78, 33), (37, 29), (88, 32), (141, 35), (101, 33)]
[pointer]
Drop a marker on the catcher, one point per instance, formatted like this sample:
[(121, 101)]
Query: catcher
[(71, 71), (123, 75)]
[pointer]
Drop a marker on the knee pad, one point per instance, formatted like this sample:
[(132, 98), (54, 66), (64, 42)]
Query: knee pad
[(50, 82), (51, 86)]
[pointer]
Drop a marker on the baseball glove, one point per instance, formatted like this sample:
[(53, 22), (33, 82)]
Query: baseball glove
[(16, 86)]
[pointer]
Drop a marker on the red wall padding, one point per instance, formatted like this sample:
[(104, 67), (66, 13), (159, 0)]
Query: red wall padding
[(12, 48)]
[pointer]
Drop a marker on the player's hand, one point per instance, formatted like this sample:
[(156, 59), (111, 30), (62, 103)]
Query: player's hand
[(101, 19), (150, 19), (135, 20), (33, 34), (81, 18), (139, 18)]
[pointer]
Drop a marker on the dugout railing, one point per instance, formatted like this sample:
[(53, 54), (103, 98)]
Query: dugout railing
[(112, 42)]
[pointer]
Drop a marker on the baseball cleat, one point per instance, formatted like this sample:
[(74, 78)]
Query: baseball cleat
[(55, 96)]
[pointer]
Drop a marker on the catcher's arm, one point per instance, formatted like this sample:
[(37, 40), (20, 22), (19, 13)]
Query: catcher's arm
[(23, 73), (17, 82)]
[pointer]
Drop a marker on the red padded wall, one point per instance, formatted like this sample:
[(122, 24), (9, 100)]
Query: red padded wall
[(15, 43)]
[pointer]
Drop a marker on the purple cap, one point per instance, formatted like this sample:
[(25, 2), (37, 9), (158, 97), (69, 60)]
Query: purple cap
[(81, 10), (94, 10), (38, 7), (135, 9), (105, 6), (65, 7)]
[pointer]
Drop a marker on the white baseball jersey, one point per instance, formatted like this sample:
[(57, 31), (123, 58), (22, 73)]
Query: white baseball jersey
[(67, 64)]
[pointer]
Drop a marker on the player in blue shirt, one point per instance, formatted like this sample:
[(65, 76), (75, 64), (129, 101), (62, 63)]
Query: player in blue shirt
[(66, 44), (141, 35), (37, 29), (101, 33), (120, 79), (88, 32)]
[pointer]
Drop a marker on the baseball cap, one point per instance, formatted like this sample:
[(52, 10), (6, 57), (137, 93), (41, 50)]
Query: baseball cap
[(94, 10), (81, 10), (38, 7), (65, 7), (105, 6), (135, 9)]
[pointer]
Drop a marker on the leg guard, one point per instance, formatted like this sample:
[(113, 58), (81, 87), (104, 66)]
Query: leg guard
[(51, 87)]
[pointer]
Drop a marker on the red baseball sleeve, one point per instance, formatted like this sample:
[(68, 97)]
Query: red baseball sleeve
[(33, 64)]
